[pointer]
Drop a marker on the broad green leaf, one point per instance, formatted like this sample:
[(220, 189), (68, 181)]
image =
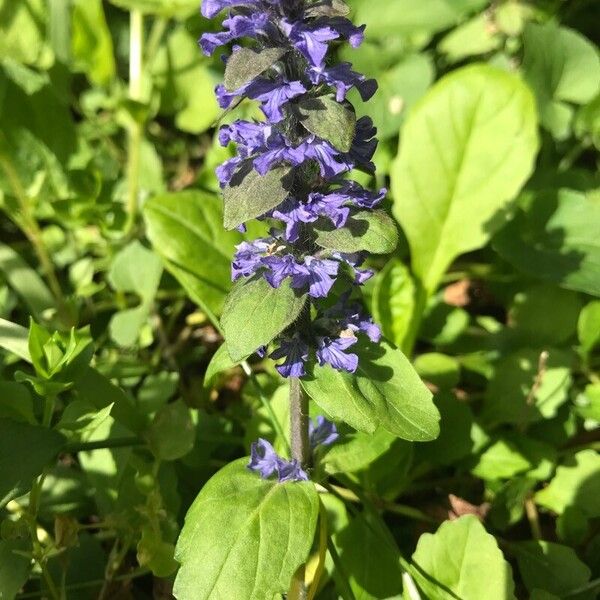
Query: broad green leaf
[(456, 439), (356, 451), (509, 502), (373, 232), (91, 42), (393, 301), (554, 236), (24, 452), (588, 326), (412, 18), (16, 402), (185, 228), (22, 32), (156, 554), (186, 82), (255, 313), (476, 36), (14, 567), (588, 403), (467, 148), (14, 338), (401, 85), (220, 362), (25, 281), (544, 314), (551, 567), (462, 560), (502, 460), (329, 119), (136, 270), (246, 536), (80, 420), (250, 195), (385, 391), (98, 390), (562, 67), (370, 558), (171, 434), (441, 370), (245, 64), (576, 484), (164, 8), (513, 396)]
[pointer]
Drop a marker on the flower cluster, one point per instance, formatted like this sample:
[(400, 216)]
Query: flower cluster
[(265, 461), (301, 33)]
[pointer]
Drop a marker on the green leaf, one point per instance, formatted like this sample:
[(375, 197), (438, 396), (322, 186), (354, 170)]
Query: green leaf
[(14, 567), (441, 370), (550, 567), (576, 484), (463, 558), (24, 452), (588, 403), (14, 338), (16, 402), (467, 148), (22, 32), (329, 119), (561, 66), (455, 440), (91, 42), (245, 535), (171, 434), (156, 554), (588, 326), (370, 558), (250, 195), (385, 391), (255, 313), (186, 82), (164, 8), (356, 451), (185, 228), (401, 85), (25, 281), (476, 36), (412, 18), (245, 64), (513, 396), (220, 362), (543, 314), (137, 270), (554, 236), (393, 301), (369, 231), (502, 460)]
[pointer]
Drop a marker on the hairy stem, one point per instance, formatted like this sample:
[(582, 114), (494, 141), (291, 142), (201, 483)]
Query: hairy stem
[(299, 423)]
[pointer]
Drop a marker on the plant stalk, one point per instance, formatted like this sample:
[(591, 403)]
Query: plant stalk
[(299, 423), (136, 50)]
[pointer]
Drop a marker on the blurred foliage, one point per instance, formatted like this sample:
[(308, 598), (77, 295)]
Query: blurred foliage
[(116, 405)]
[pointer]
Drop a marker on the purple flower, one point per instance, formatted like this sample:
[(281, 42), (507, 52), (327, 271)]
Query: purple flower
[(236, 27), (321, 276), (310, 40), (281, 267), (295, 352), (248, 258), (263, 458), (265, 461), (343, 79), (322, 432), (332, 351), (211, 8)]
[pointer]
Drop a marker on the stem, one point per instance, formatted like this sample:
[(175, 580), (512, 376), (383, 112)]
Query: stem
[(136, 45), (125, 442), (533, 518), (28, 224), (299, 423)]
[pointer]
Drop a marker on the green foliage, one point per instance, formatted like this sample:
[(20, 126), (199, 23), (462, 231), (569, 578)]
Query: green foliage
[(246, 535), (122, 396), (466, 150), (462, 560), (385, 391)]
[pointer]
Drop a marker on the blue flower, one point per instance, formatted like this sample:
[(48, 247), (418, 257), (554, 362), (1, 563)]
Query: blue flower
[(322, 432), (266, 462)]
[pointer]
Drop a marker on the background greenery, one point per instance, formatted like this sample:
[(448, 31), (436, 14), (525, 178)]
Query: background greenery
[(111, 224)]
